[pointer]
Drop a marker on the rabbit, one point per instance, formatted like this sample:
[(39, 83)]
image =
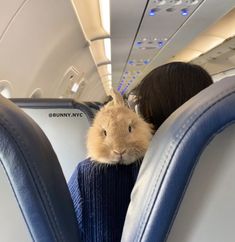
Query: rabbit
[(118, 135)]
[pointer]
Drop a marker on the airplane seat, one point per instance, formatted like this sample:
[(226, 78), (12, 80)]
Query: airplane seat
[(185, 189), (35, 201), (94, 106), (65, 122)]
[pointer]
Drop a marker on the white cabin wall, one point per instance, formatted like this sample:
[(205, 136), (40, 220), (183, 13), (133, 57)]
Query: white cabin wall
[(43, 39), (8, 10), (92, 90)]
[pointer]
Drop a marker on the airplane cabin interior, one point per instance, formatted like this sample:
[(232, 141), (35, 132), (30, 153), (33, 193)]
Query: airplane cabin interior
[(59, 62)]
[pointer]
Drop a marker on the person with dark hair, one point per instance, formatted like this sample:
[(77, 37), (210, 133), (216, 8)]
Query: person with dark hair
[(167, 87)]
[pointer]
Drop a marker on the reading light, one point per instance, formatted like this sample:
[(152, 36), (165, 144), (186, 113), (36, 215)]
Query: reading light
[(160, 44), (184, 12), (152, 12), (105, 14), (120, 86), (150, 43), (146, 62), (124, 90)]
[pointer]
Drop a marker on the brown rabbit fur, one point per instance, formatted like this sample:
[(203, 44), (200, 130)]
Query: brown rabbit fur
[(118, 135)]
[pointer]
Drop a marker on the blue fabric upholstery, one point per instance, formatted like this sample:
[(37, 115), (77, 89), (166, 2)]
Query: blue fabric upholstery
[(171, 158), (101, 195), (35, 177)]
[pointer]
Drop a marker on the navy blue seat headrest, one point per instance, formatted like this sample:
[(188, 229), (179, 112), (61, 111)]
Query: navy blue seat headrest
[(93, 105), (35, 177)]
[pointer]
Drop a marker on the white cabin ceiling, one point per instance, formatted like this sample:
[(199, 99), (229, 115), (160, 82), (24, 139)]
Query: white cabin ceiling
[(125, 19), (219, 59), (8, 10), (43, 42), (166, 33)]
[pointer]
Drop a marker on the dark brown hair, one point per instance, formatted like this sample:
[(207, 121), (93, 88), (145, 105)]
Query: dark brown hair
[(167, 87)]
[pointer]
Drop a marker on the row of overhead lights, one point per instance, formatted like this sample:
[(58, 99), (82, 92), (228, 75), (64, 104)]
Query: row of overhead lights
[(138, 62), (181, 6), (155, 43), (126, 87), (128, 78), (183, 11), (141, 44), (175, 2), (171, 6)]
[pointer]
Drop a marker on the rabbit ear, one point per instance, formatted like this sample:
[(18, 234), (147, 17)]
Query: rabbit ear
[(117, 98)]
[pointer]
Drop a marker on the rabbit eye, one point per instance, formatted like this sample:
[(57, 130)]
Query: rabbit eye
[(105, 132), (129, 129)]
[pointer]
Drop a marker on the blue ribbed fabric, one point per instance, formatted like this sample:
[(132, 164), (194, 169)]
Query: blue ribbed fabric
[(101, 195)]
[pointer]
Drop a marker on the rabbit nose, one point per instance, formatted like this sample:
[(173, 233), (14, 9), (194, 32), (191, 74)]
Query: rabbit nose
[(119, 152)]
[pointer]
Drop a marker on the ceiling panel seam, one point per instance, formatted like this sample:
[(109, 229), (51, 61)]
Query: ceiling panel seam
[(137, 31), (12, 18)]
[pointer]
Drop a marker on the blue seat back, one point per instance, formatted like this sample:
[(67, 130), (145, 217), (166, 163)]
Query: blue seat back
[(94, 106), (35, 201), (173, 158)]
